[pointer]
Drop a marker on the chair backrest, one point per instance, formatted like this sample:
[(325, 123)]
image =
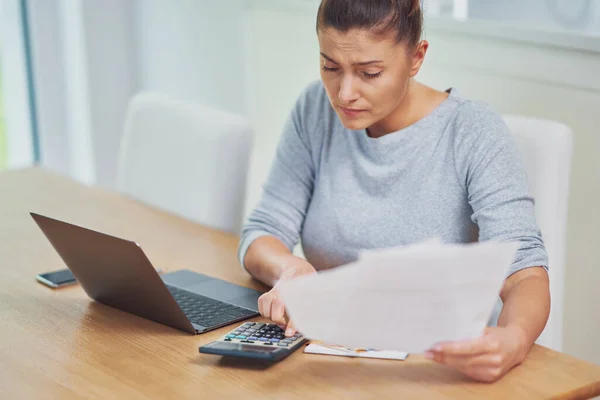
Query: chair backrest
[(187, 159), (546, 148)]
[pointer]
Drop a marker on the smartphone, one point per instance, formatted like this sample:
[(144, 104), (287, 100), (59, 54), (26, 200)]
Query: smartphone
[(57, 279)]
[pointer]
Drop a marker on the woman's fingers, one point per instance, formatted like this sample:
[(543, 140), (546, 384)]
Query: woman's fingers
[(473, 347), (264, 304), (486, 367), (290, 329), (271, 306), (464, 362), (486, 358), (277, 310)]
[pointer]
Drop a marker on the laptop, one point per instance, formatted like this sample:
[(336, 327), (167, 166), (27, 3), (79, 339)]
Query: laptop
[(116, 272)]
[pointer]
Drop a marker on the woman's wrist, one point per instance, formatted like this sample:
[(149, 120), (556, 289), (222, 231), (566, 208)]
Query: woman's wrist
[(292, 267), (522, 340)]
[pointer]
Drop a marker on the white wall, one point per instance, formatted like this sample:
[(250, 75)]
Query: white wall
[(113, 79), (513, 76), (193, 49), (277, 73)]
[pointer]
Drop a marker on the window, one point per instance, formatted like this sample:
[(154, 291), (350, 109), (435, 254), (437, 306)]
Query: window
[(2, 124), (578, 16), (16, 139)]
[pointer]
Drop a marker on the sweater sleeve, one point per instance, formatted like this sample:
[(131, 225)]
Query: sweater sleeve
[(491, 171)]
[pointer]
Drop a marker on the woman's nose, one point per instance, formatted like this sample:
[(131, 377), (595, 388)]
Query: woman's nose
[(348, 92)]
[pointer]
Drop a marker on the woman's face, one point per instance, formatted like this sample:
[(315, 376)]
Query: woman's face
[(366, 76)]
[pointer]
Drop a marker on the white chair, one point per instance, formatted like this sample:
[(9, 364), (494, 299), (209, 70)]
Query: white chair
[(187, 159), (546, 148)]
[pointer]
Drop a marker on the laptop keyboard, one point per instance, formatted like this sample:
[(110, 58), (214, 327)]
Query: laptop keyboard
[(205, 311)]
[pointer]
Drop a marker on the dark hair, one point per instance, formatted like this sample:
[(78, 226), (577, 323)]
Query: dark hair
[(405, 17)]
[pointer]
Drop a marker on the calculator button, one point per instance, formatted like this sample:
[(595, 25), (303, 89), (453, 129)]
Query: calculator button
[(230, 336), (252, 338), (274, 340), (240, 337), (262, 339), (249, 324)]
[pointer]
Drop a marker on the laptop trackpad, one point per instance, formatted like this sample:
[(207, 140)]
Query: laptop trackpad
[(185, 278), (249, 301), (227, 292), (214, 288)]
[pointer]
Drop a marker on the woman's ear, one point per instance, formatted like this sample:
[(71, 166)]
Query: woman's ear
[(418, 56)]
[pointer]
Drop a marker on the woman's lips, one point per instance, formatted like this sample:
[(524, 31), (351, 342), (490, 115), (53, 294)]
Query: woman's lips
[(351, 112)]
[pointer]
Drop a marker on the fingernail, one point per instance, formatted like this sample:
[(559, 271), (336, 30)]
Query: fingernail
[(437, 348), (289, 332), (429, 355)]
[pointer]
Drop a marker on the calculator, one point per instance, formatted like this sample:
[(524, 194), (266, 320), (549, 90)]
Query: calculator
[(255, 340)]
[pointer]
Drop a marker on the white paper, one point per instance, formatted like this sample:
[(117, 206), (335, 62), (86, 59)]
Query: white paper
[(315, 348), (405, 299)]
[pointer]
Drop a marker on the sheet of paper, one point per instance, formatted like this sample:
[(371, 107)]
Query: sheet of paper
[(316, 348), (407, 299)]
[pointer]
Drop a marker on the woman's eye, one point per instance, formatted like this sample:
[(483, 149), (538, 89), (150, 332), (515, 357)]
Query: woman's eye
[(328, 69), (372, 76)]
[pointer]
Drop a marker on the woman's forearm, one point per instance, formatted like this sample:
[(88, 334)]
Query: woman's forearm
[(526, 298), (266, 259)]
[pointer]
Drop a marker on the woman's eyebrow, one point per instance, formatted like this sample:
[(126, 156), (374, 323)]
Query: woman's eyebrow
[(356, 63)]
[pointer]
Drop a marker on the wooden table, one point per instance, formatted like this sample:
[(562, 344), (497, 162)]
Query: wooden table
[(60, 344)]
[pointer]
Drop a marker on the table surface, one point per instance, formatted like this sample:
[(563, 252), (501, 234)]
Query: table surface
[(61, 344)]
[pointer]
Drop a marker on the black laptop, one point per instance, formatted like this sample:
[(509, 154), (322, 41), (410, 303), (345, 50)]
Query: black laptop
[(116, 272)]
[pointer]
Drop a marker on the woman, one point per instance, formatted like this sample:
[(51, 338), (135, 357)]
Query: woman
[(371, 158)]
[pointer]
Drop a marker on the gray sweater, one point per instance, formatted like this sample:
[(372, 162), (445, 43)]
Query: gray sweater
[(455, 174)]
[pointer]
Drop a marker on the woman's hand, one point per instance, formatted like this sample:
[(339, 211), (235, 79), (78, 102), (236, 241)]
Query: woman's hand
[(271, 306), (526, 306), (487, 358)]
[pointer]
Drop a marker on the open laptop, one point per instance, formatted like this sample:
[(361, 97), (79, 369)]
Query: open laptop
[(116, 272)]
